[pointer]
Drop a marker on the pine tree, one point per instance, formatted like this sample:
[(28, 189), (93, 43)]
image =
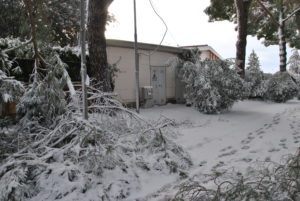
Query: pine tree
[(294, 63), (253, 62), (294, 68), (254, 76)]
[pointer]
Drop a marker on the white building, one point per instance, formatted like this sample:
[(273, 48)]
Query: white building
[(154, 70)]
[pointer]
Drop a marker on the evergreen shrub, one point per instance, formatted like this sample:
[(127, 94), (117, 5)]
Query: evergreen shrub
[(212, 86), (281, 88)]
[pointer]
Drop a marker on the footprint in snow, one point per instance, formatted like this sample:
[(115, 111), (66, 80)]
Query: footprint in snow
[(218, 165), (269, 126), (245, 141), (245, 147), (202, 163), (226, 148), (251, 137), (260, 129), (283, 145), (253, 151), (228, 153), (268, 159), (247, 160), (261, 132), (274, 150)]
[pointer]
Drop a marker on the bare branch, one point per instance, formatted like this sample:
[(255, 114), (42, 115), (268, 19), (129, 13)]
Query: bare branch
[(292, 14), (268, 12)]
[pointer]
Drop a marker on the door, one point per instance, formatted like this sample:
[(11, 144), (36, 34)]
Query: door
[(158, 82)]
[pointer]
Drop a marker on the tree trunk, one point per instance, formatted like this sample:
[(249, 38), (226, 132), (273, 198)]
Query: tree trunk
[(282, 41), (83, 58), (242, 8), (98, 65)]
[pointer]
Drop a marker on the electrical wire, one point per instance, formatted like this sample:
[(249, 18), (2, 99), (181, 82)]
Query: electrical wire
[(165, 33)]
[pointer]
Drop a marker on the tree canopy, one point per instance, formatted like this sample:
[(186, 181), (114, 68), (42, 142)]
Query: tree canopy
[(57, 20)]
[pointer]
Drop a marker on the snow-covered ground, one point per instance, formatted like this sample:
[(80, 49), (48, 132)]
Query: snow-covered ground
[(251, 133)]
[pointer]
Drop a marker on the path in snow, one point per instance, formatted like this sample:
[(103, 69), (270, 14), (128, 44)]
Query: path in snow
[(252, 132)]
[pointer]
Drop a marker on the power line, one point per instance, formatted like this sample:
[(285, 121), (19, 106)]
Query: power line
[(165, 33)]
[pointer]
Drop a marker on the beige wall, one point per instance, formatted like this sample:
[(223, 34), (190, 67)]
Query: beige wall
[(205, 55), (125, 80)]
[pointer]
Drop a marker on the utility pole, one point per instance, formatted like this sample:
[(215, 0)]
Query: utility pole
[(83, 58), (137, 82)]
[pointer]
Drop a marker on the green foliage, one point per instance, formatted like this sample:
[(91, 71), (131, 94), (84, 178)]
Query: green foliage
[(57, 20), (212, 86), (260, 24), (264, 28), (221, 10), (281, 87)]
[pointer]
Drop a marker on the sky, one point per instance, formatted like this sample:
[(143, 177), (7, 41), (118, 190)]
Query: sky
[(187, 25)]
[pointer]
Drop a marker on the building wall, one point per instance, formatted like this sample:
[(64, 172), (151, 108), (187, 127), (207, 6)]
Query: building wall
[(208, 55), (125, 80)]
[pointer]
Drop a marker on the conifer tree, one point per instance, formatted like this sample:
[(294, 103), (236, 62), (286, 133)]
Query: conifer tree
[(294, 63), (254, 76)]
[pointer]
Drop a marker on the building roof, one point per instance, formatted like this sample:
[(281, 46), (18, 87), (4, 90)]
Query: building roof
[(203, 48), (142, 46), (162, 48)]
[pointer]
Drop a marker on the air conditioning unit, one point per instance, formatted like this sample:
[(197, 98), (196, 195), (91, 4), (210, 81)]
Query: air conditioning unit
[(147, 96)]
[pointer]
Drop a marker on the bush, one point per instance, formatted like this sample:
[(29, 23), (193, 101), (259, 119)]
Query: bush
[(280, 183), (212, 86), (281, 88)]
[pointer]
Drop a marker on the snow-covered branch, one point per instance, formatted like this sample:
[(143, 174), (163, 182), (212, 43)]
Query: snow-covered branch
[(268, 12), (292, 14), (18, 47)]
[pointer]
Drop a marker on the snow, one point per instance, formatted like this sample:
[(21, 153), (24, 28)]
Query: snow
[(252, 133), (6, 98), (249, 135)]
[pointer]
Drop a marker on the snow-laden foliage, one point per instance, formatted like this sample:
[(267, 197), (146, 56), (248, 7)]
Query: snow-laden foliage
[(294, 68), (281, 87), (294, 62), (280, 183), (103, 158), (10, 89), (212, 86), (44, 99), (25, 51), (255, 77)]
